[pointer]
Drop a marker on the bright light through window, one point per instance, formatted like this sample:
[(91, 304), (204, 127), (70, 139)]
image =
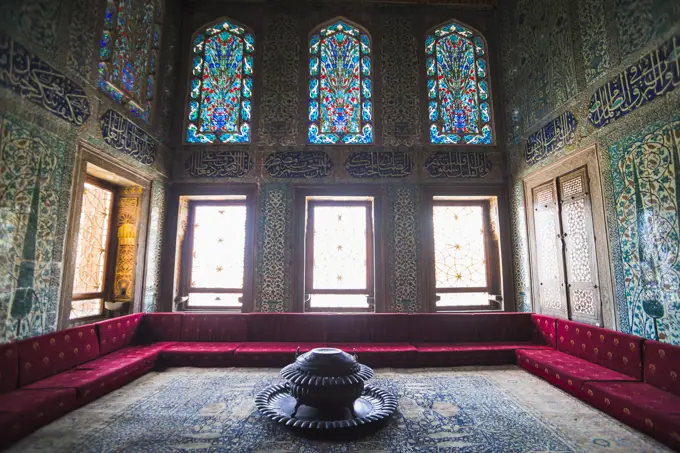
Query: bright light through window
[(460, 254), (217, 256)]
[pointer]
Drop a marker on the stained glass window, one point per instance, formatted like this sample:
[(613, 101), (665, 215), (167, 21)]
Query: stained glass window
[(339, 270), (458, 86), (221, 85), (340, 105), (217, 254), (129, 53), (93, 243), (460, 256)]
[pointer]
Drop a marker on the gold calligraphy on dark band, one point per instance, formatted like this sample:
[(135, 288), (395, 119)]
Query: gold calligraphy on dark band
[(379, 164), (298, 164), (218, 164), (655, 74), (37, 81), (128, 138), (553, 137), (458, 164)]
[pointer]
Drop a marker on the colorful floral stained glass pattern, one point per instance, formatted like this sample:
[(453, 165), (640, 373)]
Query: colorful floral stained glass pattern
[(340, 91), (128, 53), (458, 90), (221, 86)]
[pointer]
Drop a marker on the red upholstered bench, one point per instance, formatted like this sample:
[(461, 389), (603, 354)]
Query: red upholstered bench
[(585, 353), (652, 406), (472, 338)]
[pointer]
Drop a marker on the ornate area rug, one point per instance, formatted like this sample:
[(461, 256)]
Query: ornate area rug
[(480, 409)]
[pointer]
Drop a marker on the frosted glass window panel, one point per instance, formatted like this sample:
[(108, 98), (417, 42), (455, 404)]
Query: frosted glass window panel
[(85, 308), (338, 300), (462, 299), (339, 253), (93, 236), (459, 246), (215, 300), (219, 237)]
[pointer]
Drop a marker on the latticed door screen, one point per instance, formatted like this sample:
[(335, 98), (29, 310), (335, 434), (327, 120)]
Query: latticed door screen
[(549, 259), (93, 243), (579, 247)]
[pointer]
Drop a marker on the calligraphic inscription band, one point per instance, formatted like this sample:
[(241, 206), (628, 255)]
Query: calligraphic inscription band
[(298, 164), (37, 81), (655, 74), (379, 164), (551, 138), (128, 138), (458, 164), (218, 164)]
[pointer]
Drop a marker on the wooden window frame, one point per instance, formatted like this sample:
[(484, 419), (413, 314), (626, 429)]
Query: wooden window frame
[(251, 194), (497, 253), (188, 263), (309, 248), (300, 249), (108, 273)]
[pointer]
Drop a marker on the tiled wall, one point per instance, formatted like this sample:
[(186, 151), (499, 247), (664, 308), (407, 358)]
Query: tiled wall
[(48, 103), (614, 69)]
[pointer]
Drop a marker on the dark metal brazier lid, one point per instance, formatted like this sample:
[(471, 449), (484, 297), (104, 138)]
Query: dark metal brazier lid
[(326, 366)]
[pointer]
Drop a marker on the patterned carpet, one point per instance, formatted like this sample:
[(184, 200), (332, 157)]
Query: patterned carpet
[(480, 409)]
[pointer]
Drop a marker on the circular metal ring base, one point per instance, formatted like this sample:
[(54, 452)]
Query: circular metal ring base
[(373, 406)]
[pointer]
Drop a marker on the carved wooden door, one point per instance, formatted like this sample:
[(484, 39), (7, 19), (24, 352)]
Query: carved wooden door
[(549, 257)]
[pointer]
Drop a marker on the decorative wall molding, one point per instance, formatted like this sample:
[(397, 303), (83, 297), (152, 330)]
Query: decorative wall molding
[(379, 164), (654, 75), (551, 138), (128, 138), (40, 83), (458, 164), (218, 164), (298, 164)]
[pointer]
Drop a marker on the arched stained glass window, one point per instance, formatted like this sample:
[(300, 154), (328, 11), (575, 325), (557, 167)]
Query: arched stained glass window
[(340, 107), (221, 84), (457, 87), (128, 53)]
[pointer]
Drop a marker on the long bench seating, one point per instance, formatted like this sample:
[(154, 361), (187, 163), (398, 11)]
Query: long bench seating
[(45, 377)]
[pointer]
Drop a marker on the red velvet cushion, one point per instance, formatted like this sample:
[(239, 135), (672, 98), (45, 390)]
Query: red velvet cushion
[(662, 365), (9, 366), (24, 411), (642, 406), (544, 330), (215, 327), (615, 350), (49, 354), (117, 332), (161, 327), (469, 327), (381, 354), (449, 354), (368, 327), (564, 370), (199, 353), (284, 327), (144, 353), (271, 353)]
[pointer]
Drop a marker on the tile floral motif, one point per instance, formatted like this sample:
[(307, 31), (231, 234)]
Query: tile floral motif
[(404, 249), (551, 138), (640, 22), (272, 272), (280, 88), (520, 257), (81, 38), (646, 178), (596, 56), (154, 247), (400, 71), (31, 166), (40, 83), (655, 74), (36, 19), (128, 138)]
